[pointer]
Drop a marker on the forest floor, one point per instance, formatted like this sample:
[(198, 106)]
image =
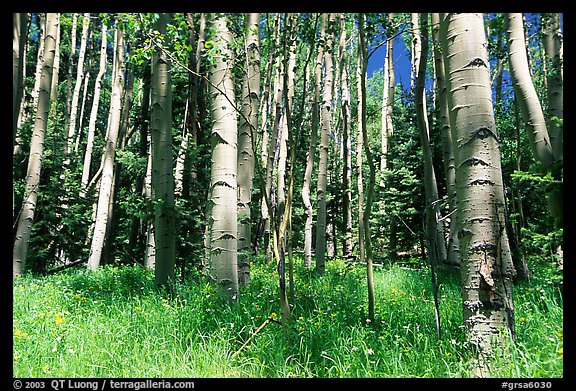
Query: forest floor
[(115, 323)]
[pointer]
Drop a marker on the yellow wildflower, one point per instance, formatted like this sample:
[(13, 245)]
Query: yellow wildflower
[(45, 368), (522, 319), (560, 351), (58, 320)]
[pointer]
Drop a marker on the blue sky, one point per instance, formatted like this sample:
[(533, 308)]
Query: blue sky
[(402, 56)]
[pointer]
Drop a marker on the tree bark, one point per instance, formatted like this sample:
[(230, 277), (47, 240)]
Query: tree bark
[(24, 228), (223, 186), (485, 260)]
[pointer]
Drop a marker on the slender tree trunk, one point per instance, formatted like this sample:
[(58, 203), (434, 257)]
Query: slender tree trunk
[(552, 42), (106, 182), (150, 252), (359, 149), (325, 116), (94, 112), (312, 149), (250, 103), (434, 228), (223, 186), (524, 88), (415, 49), (24, 228), (485, 259), (452, 247), (79, 77), (530, 104), (20, 32), (368, 208), (71, 62), (28, 107), (346, 150)]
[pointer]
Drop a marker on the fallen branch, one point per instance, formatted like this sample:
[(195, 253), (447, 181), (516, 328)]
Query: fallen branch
[(268, 320), (66, 266)]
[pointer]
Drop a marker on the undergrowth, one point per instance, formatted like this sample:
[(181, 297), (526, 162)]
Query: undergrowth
[(115, 323)]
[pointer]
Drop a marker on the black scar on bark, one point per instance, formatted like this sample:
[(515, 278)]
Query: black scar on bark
[(477, 62), (482, 132)]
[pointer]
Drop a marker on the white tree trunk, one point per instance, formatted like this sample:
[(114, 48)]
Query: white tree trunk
[(223, 266), (24, 228), (106, 182)]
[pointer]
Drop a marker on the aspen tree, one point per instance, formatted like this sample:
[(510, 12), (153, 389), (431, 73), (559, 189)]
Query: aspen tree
[(317, 71), (94, 111), (346, 135), (223, 267), (250, 102), (325, 130), (162, 172), (79, 78), (485, 260), (452, 246), (552, 42), (434, 228), (20, 29), (530, 106), (524, 88), (107, 180), (26, 218), (363, 63), (269, 140)]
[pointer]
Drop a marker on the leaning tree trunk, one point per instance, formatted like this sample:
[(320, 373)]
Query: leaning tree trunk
[(24, 228), (485, 260), (223, 187), (162, 172), (107, 181), (248, 124), (527, 97)]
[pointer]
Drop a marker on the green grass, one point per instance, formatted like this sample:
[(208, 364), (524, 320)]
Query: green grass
[(115, 323)]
